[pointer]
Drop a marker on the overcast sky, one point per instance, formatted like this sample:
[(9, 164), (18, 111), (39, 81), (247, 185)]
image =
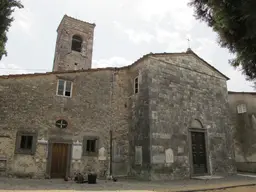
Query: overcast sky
[(125, 30)]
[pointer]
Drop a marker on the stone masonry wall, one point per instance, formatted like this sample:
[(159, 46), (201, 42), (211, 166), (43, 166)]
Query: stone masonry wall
[(66, 59), (178, 95), (139, 127), (244, 125), (30, 103), (146, 126), (120, 122)]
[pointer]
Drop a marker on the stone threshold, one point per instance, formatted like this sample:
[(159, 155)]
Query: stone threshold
[(247, 175), (207, 177)]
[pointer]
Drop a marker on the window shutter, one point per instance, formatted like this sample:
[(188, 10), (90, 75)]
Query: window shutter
[(61, 87), (241, 108), (68, 88), (34, 143), (138, 155), (85, 153), (84, 145), (97, 146), (17, 145)]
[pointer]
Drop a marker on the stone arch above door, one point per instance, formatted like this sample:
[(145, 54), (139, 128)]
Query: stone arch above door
[(196, 124)]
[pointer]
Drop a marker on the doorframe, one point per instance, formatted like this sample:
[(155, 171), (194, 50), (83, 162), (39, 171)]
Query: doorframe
[(69, 155), (200, 130)]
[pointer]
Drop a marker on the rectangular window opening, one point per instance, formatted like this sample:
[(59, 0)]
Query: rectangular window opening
[(64, 88), (136, 85), (91, 146), (26, 142), (241, 108)]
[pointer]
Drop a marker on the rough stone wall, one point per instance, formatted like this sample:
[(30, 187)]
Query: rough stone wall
[(120, 123), (244, 130), (65, 58), (178, 95), (139, 127), (146, 126), (30, 103)]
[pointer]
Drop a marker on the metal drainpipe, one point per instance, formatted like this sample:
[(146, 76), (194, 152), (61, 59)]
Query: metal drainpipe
[(110, 167), (111, 131)]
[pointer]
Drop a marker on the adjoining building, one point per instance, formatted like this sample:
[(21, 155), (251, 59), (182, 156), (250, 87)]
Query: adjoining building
[(243, 110)]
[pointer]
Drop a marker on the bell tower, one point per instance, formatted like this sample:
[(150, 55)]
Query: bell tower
[(74, 45)]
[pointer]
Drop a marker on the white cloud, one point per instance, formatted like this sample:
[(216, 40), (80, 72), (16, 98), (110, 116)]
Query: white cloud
[(6, 69), (173, 40), (206, 48), (237, 81), (136, 37), (24, 19), (139, 36), (163, 36), (204, 43), (179, 14), (111, 62)]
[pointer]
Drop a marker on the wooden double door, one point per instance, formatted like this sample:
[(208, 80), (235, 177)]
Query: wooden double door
[(199, 153), (59, 160)]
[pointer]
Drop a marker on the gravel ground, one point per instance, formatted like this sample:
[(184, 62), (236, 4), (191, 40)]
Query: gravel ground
[(25, 185)]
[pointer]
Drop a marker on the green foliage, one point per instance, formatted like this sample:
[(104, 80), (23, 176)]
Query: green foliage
[(235, 23), (6, 9)]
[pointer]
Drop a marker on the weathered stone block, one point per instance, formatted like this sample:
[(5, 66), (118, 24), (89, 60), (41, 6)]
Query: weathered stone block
[(158, 159), (161, 136)]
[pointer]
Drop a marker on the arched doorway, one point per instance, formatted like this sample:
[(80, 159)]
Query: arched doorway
[(198, 148)]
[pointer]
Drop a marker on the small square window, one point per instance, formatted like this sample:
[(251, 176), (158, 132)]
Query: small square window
[(64, 88), (136, 85), (90, 146), (25, 143), (241, 108)]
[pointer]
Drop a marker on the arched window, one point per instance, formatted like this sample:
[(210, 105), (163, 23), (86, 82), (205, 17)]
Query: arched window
[(196, 124), (77, 43)]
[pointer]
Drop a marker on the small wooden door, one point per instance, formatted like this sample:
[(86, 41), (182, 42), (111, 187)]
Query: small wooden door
[(199, 153), (59, 160)]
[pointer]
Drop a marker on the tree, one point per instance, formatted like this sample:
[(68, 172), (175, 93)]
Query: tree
[(6, 9), (235, 23)]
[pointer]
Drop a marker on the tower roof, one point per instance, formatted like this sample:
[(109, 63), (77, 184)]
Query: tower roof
[(66, 17)]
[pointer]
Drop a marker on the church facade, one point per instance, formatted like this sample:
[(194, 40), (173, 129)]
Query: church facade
[(163, 117)]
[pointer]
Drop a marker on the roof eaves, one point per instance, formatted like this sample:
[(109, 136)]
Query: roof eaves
[(68, 17), (193, 53), (244, 93)]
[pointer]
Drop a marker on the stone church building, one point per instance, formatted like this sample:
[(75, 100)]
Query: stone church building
[(167, 112)]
